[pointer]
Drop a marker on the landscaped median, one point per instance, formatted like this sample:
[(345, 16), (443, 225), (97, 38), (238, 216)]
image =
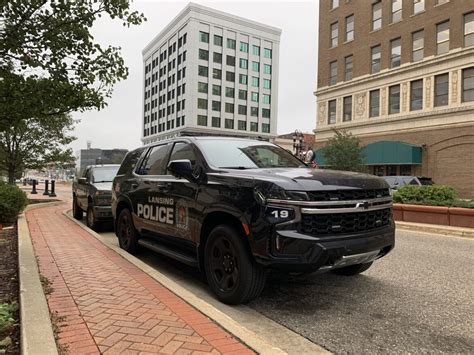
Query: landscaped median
[(440, 215)]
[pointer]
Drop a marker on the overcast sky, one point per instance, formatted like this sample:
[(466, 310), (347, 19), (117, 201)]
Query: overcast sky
[(119, 125)]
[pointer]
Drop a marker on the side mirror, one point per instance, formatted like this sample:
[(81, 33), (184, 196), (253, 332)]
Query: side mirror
[(181, 168), (82, 181)]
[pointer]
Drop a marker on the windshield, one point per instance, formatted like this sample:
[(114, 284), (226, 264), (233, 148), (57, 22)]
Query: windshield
[(247, 154), (105, 174)]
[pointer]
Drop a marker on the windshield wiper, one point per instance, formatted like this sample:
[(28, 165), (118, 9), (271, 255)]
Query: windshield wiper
[(236, 167), (102, 181)]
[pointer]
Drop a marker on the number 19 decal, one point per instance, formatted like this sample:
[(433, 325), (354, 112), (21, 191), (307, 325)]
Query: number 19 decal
[(280, 214), (277, 215)]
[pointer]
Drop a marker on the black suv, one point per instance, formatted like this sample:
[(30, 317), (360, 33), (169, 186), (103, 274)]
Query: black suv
[(234, 207)]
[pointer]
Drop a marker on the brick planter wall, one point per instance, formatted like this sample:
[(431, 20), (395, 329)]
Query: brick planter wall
[(448, 216)]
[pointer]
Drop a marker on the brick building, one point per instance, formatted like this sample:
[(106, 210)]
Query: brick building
[(399, 74)]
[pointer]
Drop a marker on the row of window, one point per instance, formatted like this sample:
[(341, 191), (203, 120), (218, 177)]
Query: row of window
[(441, 96), (230, 60), (230, 76), (418, 44), (230, 108), (230, 92), (180, 90), (229, 124), (162, 71), (164, 126), (163, 55), (231, 44)]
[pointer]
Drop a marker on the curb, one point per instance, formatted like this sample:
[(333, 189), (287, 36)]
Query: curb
[(446, 231), (299, 344), (36, 330)]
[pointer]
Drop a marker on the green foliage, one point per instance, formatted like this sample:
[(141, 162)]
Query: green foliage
[(12, 202), (430, 195), (343, 152), (7, 320)]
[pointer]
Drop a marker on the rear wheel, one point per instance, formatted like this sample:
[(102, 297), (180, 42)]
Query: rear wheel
[(353, 269), (126, 232), (77, 212), (231, 272)]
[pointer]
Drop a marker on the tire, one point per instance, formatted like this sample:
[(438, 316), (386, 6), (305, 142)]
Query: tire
[(90, 219), (353, 269), (126, 232), (232, 273), (77, 212)]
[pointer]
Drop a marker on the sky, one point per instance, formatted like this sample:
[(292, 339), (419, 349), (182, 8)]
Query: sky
[(119, 124)]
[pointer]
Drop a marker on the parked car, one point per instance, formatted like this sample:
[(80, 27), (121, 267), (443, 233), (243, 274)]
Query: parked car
[(235, 207), (92, 193), (396, 182)]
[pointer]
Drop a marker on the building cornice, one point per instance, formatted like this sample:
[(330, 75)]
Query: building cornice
[(387, 73)]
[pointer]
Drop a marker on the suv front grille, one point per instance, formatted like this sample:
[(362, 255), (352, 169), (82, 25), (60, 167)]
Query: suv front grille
[(344, 223), (347, 195)]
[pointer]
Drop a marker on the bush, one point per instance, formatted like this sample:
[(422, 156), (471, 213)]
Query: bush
[(432, 193), (12, 202)]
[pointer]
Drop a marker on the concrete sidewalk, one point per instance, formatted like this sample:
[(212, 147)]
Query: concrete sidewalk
[(111, 306)]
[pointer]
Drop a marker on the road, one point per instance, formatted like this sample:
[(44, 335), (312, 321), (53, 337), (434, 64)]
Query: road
[(417, 299)]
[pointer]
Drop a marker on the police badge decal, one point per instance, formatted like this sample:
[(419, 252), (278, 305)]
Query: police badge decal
[(181, 216)]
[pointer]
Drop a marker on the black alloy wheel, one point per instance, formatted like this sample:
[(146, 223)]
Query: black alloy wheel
[(90, 219), (224, 264), (77, 212), (126, 232)]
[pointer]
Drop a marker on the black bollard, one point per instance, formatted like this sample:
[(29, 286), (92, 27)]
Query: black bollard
[(52, 193), (33, 191), (46, 187)]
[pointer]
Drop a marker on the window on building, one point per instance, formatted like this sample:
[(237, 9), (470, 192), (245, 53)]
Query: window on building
[(202, 120), (243, 94), (265, 112), (349, 28), (241, 125), (334, 4), (230, 60), (468, 85), (256, 66), (242, 109), (229, 92), (374, 109), (202, 104), (267, 69), (394, 99), (347, 109), (332, 112), (266, 99), (254, 96), (333, 73), (243, 63), (202, 87), (229, 123), (216, 121), (229, 108), (230, 43), (216, 90), (216, 106), (266, 127), (254, 126), (217, 57), (442, 38), (230, 76), (203, 71), (469, 29), (267, 53), (334, 34), (376, 15), (203, 54), (395, 52), (218, 40), (441, 90), (217, 73), (418, 6), (243, 79), (254, 111), (348, 68), (396, 10), (255, 81), (244, 47), (256, 50), (267, 84), (439, 2), (416, 95), (418, 40), (375, 59), (203, 37)]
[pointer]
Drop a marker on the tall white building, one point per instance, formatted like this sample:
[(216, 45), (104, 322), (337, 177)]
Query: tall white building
[(211, 72)]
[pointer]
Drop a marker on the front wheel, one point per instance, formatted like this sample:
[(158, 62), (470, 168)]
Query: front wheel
[(90, 219), (126, 232), (353, 269), (77, 212), (231, 272)]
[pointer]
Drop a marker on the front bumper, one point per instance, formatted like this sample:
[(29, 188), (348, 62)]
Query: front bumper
[(103, 212)]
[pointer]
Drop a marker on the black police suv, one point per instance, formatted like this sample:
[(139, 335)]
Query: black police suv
[(234, 207)]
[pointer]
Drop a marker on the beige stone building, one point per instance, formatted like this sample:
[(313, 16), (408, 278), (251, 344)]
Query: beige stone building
[(399, 74)]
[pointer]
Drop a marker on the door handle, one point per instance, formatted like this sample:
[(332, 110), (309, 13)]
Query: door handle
[(134, 185), (165, 187)]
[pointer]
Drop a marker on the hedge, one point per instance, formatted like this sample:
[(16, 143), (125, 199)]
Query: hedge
[(12, 202), (431, 195)]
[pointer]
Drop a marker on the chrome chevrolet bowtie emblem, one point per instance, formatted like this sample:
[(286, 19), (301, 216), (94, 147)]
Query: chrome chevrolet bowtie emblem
[(365, 205)]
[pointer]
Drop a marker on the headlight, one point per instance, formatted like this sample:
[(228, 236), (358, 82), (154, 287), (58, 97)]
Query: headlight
[(277, 193)]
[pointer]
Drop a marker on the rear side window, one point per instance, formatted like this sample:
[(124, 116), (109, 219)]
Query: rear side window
[(183, 151), (130, 161), (155, 161)]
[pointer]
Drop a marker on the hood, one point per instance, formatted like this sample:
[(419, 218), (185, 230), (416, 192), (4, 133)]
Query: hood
[(306, 179), (103, 186)]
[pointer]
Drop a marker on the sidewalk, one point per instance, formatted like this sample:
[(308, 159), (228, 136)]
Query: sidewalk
[(111, 306)]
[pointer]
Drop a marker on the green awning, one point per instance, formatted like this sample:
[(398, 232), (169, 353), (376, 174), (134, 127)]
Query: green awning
[(385, 153)]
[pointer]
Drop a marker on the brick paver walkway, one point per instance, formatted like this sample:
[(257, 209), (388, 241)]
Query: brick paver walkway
[(110, 305)]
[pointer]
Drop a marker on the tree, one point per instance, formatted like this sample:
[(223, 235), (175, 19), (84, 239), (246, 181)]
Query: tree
[(343, 152), (35, 143)]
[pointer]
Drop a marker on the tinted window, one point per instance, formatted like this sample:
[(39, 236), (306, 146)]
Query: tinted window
[(104, 174), (183, 151), (129, 162), (155, 161)]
